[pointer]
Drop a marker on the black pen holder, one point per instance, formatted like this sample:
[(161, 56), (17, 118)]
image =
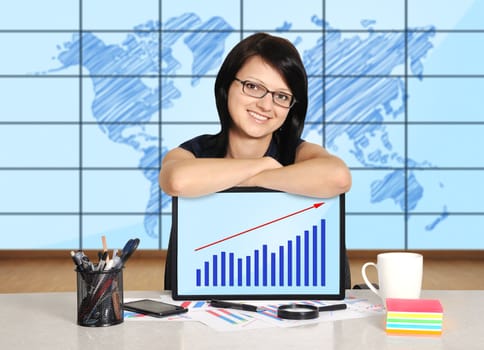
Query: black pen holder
[(99, 298)]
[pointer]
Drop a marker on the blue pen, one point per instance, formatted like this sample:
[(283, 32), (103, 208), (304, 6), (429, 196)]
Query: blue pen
[(128, 250)]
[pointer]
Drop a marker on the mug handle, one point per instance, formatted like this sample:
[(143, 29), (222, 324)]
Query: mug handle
[(365, 278)]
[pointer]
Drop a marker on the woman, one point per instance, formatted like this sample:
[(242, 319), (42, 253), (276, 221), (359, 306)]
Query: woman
[(261, 96)]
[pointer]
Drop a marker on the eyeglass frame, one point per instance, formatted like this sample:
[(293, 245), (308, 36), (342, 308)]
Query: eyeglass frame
[(267, 91)]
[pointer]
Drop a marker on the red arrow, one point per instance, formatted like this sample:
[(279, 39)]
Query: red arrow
[(315, 205)]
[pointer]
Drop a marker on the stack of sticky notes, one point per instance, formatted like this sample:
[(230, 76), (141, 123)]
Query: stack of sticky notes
[(414, 317)]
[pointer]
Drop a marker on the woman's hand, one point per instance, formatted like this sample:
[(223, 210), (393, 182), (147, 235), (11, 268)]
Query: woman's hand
[(315, 173), (184, 175)]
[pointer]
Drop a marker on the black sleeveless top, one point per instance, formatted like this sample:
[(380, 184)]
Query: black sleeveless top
[(206, 146)]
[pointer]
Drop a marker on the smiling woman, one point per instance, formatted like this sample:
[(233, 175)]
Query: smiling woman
[(261, 94)]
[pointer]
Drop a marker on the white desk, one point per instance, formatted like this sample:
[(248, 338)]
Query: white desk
[(48, 321)]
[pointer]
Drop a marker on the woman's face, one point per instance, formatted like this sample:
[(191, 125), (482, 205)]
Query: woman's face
[(256, 117)]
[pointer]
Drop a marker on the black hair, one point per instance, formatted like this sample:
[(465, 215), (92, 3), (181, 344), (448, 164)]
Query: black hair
[(280, 54)]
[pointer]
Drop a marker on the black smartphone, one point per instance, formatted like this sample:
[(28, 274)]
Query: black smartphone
[(154, 308)]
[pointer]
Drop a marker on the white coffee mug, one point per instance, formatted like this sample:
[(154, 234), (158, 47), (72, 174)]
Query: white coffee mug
[(399, 275)]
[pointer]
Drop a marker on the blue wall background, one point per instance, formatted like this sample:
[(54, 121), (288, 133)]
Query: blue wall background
[(93, 93)]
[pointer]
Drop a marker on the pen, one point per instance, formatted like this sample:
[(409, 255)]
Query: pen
[(86, 264), (238, 306), (109, 265), (128, 250), (333, 307), (102, 261), (77, 261)]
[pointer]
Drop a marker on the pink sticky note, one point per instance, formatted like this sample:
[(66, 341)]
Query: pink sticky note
[(414, 305)]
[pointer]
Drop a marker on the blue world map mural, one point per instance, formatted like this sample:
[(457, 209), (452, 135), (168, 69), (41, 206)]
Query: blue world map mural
[(144, 90)]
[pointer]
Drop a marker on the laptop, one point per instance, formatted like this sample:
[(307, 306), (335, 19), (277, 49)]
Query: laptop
[(254, 243)]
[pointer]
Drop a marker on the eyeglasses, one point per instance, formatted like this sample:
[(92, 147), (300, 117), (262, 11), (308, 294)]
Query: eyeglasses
[(256, 90)]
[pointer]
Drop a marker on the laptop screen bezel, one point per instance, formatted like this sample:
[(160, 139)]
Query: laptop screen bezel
[(176, 295)]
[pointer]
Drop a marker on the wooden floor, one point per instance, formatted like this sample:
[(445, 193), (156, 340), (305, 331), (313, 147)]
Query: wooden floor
[(145, 272)]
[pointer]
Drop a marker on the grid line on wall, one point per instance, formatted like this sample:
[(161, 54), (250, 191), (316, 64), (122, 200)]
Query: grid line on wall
[(81, 85)]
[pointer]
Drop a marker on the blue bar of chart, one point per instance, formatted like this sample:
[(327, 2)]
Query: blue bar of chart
[(300, 262)]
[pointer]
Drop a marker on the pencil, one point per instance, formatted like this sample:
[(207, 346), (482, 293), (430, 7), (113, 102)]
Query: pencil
[(105, 247)]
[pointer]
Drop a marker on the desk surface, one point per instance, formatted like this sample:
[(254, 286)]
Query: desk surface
[(48, 321)]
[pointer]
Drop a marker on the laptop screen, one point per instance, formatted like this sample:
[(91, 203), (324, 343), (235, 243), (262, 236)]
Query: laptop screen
[(254, 243)]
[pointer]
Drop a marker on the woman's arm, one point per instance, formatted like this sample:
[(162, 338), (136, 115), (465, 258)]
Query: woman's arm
[(184, 175), (315, 173)]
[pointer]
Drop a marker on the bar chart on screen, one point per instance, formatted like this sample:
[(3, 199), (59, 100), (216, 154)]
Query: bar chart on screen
[(300, 261)]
